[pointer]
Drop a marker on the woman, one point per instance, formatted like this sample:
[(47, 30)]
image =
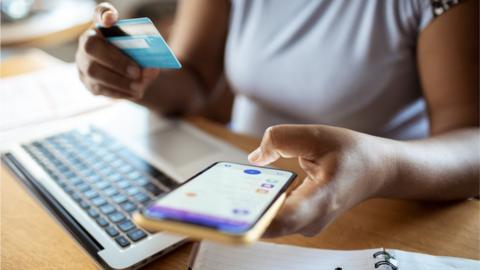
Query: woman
[(374, 98)]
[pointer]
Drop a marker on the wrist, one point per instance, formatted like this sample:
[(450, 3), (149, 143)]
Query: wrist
[(385, 155), (174, 92)]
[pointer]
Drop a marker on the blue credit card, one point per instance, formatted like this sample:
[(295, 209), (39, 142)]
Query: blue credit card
[(139, 39)]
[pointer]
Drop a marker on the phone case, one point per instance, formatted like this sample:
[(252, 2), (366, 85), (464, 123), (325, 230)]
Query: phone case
[(204, 233)]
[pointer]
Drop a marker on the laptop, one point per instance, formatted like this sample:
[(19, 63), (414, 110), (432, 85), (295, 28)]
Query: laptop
[(93, 171)]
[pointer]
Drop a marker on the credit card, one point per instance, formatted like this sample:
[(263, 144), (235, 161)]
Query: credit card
[(139, 39)]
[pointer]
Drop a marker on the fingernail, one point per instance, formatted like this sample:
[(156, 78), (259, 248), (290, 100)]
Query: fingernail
[(133, 72), (109, 18), (136, 86), (253, 156)]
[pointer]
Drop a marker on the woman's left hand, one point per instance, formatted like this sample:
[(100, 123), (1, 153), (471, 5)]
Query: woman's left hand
[(343, 168)]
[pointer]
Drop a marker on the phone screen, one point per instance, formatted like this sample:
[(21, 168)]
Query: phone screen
[(229, 197)]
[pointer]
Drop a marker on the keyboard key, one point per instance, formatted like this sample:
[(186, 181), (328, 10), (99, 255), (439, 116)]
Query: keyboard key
[(90, 194), (119, 198), (69, 174), (153, 189), (88, 172), (84, 204), (132, 191), (115, 177), (76, 197), (106, 171), (76, 181), (141, 197), (94, 178), (54, 176), (83, 187), (126, 226), (124, 184), (128, 206), (142, 181), (111, 231), (102, 221), (67, 189), (125, 169), (117, 163), (107, 209), (122, 241), (93, 212), (98, 201), (116, 217), (102, 184), (110, 191), (136, 235), (134, 175)]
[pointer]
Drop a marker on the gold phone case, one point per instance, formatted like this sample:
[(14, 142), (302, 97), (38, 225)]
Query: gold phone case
[(205, 233)]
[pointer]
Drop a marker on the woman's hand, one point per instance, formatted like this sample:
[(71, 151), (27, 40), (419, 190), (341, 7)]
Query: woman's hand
[(104, 69), (343, 168)]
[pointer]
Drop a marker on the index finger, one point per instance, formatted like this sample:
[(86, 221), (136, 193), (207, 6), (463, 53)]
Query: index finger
[(285, 141), (105, 14)]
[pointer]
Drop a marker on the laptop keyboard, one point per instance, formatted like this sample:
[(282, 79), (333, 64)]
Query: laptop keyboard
[(106, 180)]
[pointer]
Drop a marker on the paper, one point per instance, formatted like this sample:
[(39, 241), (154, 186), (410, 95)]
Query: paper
[(263, 255), (44, 95)]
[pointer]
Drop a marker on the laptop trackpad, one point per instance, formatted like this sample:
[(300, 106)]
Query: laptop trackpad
[(177, 146)]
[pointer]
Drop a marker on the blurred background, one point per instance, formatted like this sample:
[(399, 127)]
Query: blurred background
[(54, 26)]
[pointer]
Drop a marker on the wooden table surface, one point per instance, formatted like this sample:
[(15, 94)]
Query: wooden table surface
[(31, 239)]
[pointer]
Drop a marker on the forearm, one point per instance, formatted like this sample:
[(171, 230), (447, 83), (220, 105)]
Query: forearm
[(442, 167)]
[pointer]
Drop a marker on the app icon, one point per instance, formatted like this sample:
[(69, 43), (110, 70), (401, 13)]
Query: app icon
[(272, 181), (241, 212), (265, 185), (252, 171), (262, 191), (191, 194)]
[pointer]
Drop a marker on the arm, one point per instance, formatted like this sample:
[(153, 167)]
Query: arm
[(198, 40), (345, 167), (446, 166)]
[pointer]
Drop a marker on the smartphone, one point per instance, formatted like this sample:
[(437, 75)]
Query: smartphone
[(227, 202)]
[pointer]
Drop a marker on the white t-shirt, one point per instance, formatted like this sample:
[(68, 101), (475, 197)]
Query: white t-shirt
[(335, 62)]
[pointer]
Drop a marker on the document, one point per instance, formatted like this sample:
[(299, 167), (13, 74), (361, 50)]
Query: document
[(45, 95)]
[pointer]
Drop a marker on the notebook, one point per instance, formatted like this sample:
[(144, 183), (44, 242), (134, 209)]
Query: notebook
[(262, 255)]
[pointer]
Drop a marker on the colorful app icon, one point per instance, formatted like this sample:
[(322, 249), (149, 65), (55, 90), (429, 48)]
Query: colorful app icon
[(240, 211), (265, 185), (252, 171), (262, 191), (272, 181)]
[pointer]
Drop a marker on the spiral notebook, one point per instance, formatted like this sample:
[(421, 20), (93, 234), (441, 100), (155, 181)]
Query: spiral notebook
[(262, 255)]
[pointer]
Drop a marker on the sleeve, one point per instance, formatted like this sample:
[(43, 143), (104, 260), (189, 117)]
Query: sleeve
[(430, 9)]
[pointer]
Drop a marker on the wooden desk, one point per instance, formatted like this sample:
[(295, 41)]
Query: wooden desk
[(31, 239)]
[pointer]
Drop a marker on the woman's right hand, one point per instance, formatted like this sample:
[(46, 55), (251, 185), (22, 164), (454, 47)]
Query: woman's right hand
[(104, 69)]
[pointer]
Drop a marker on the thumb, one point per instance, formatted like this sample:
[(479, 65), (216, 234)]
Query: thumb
[(105, 14), (285, 141)]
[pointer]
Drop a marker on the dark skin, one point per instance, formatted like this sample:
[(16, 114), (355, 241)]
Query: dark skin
[(343, 167)]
